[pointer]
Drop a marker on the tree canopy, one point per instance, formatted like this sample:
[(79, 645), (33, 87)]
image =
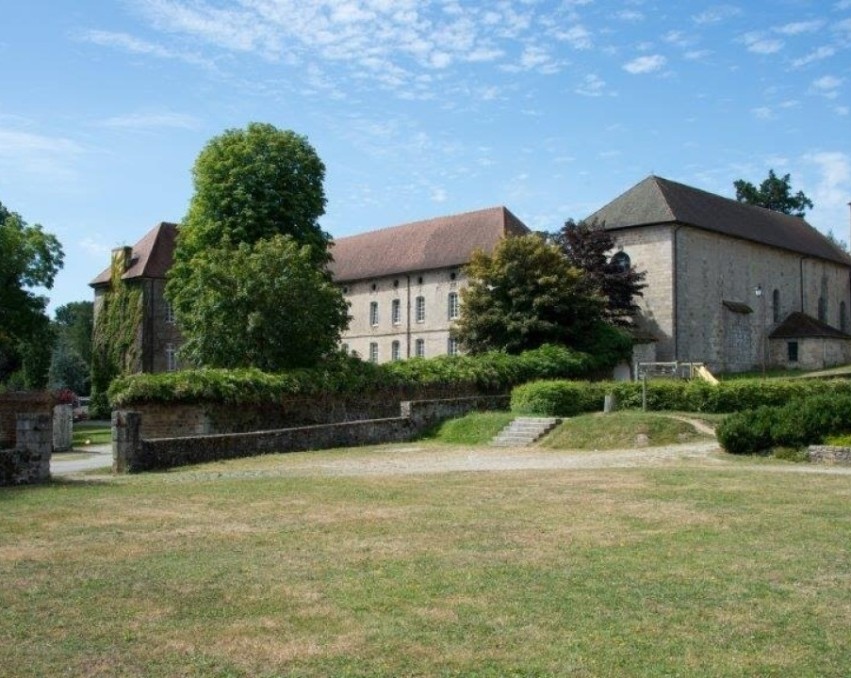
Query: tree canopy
[(249, 285), (29, 258), (70, 363), (251, 184), (264, 305), (523, 295), (589, 248), (774, 193)]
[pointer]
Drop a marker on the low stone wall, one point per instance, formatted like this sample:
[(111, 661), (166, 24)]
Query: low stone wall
[(133, 453), (29, 461), (829, 454), (176, 420)]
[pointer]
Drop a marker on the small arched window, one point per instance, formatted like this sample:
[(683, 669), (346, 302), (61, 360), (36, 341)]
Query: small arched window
[(621, 261), (775, 305)]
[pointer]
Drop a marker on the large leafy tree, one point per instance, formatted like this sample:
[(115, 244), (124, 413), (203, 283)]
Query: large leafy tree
[(523, 295), (29, 258), (264, 305), (250, 285), (775, 193), (70, 363), (251, 184), (590, 248)]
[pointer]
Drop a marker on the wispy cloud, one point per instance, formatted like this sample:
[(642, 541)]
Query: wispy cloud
[(645, 64), (134, 45), (822, 52), (51, 157), (592, 85), (716, 14), (759, 43), (152, 120), (827, 86), (799, 27)]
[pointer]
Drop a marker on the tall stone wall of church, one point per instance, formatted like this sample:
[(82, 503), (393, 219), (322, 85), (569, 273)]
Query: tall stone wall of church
[(433, 286), (650, 250), (713, 269)]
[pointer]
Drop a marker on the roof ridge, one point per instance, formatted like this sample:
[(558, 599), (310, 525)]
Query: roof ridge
[(456, 215)]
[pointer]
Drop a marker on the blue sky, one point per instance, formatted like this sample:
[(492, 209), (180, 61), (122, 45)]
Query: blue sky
[(418, 109)]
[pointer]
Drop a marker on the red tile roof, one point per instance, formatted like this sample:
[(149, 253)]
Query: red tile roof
[(151, 258), (422, 245), (660, 201)]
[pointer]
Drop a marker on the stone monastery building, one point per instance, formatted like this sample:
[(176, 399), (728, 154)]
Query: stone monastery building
[(730, 285)]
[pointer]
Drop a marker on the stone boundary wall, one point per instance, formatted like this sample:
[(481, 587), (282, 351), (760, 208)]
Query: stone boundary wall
[(16, 402), (177, 420), (29, 461), (133, 453), (829, 454)]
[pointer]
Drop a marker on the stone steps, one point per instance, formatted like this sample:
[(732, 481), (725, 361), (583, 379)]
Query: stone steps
[(525, 431)]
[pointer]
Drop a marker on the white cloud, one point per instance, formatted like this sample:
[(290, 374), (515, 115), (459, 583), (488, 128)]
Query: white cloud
[(799, 27), (834, 186), (758, 43), (645, 64), (129, 43), (697, 54), (822, 52), (827, 86), (592, 86), (576, 36), (50, 157), (96, 248), (152, 121), (763, 113), (438, 195), (629, 15), (841, 110), (716, 14)]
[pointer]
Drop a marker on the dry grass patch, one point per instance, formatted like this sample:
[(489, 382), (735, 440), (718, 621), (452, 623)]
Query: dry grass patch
[(255, 572)]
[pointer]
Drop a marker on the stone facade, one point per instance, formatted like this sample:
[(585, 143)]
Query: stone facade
[(29, 461), (412, 314)]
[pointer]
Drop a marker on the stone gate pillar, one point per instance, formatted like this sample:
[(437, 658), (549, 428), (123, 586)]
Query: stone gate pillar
[(126, 440)]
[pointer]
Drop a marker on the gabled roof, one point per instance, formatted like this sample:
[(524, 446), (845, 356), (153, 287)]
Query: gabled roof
[(799, 325), (659, 201), (151, 258), (422, 245)]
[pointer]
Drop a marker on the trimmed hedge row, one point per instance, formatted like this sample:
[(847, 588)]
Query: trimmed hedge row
[(797, 424), (488, 373), (568, 398)]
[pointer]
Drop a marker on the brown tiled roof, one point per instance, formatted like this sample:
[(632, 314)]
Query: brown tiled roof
[(152, 255), (422, 245), (799, 325), (659, 201)]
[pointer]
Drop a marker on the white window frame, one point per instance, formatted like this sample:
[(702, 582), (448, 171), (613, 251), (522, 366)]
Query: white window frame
[(396, 311), (169, 314), (420, 307), (419, 348), (452, 346), (395, 350), (373, 351), (453, 309), (170, 358), (373, 313)]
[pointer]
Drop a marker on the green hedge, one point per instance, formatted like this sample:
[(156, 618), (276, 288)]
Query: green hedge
[(565, 398), (488, 373), (799, 423)]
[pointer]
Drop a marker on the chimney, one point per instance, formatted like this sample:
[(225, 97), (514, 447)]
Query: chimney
[(121, 257)]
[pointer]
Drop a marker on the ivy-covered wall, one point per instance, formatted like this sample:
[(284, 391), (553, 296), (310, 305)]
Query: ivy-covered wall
[(117, 335)]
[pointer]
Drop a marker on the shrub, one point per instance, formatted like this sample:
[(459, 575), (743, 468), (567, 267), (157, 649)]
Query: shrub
[(557, 398)]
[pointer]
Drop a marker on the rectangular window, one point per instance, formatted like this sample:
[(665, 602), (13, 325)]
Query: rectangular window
[(453, 305), (452, 346), (169, 314), (170, 358), (345, 349), (397, 311), (419, 348), (792, 350), (373, 313), (395, 350), (373, 352), (420, 309)]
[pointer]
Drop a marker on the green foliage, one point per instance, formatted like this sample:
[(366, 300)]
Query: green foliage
[(489, 373), (558, 398), (587, 246), (522, 296), (252, 184), (681, 395), (70, 362), (619, 430), (801, 422), (265, 305), (29, 258), (775, 194), (115, 340)]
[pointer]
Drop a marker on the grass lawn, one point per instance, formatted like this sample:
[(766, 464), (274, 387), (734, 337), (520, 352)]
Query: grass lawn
[(90, 433), (476, 428), (623, 429), (721, 569)]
